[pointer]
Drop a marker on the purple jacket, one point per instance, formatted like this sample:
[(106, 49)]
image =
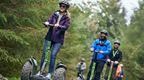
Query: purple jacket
[(57, 34)]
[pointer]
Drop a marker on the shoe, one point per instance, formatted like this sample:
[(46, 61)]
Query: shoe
[(39, 73), (48, 76)]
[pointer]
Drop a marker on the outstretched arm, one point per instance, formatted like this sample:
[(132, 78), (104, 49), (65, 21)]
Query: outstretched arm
[(50, 20)]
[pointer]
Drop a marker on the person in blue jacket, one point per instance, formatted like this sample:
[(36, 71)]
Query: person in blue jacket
[(101, 48)]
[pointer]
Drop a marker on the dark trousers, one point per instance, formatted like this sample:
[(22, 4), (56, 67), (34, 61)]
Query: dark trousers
[(113, 71), (80, 72), (97, 71), (119, 78)]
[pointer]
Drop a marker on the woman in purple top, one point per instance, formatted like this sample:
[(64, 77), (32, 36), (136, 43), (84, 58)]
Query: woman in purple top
[(58, 23)]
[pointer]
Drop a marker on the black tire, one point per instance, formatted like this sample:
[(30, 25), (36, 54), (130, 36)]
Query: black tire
[(26, 71), (60, 74)]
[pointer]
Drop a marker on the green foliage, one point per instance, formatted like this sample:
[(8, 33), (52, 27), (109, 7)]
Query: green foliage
[(135, 40), (131, 37), (14, 78), (10, 38), (24, 13), (3, 19), (22, 35)]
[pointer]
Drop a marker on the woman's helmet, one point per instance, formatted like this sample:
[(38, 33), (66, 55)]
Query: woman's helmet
[(65, 3)]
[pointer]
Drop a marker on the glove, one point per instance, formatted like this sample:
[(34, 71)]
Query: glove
[(46, 23), (121, 76), (56, 25), (101, 52), (116, 62), (91, 49), (108, 60)]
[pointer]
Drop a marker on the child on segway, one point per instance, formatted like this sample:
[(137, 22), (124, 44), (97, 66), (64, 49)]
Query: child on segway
[(81, 67)]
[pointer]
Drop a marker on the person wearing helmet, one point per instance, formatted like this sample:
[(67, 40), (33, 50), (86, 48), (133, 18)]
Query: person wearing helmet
[(58, 23), (115, 56), (81, 67), (101, 48)]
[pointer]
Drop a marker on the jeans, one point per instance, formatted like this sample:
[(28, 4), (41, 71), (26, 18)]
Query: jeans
[(54, 49)]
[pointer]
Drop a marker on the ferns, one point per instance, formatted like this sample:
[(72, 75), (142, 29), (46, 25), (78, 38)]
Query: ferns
[(9, 42), (7, 58), (10, 38), (3, 19), (26, 13), (21, 35)]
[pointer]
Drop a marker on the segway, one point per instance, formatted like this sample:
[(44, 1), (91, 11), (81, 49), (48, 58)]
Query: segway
[(29, 71)]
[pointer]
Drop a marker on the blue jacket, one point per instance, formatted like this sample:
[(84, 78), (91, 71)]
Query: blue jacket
[(100, 45)]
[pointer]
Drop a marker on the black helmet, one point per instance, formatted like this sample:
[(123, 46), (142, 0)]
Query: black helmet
[(65, 3), (117, 42), (104, 31)]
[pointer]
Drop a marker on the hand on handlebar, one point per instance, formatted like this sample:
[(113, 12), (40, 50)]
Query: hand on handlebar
[(101, 52), (47, 24), (108, 60), (56, 25), (121, 76), (91, 49), (116, 62)]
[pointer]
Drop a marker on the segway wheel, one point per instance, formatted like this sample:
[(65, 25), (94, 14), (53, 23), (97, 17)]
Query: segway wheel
[(26, 71), (60, 74)]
